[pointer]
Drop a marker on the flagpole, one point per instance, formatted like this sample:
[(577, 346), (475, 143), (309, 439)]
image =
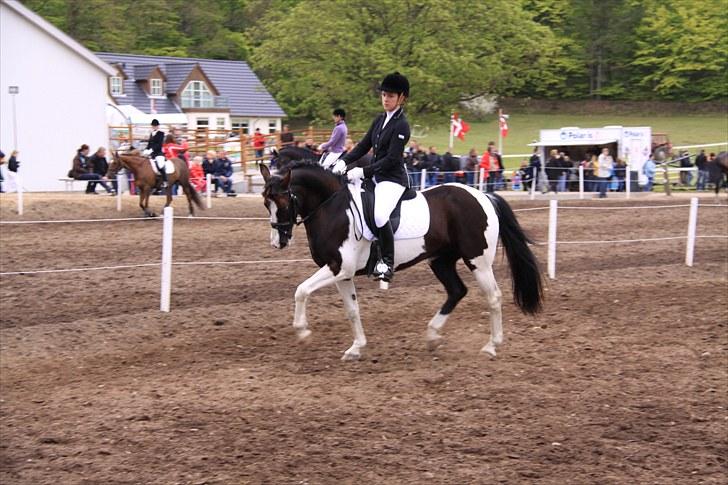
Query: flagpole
[(500, 132), (451, 131)]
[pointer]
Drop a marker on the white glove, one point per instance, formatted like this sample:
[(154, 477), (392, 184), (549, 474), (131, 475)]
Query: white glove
[(355, 174), (339, 167), (147, 152)]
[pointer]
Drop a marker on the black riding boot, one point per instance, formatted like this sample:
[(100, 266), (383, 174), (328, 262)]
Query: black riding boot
[(384, 270)]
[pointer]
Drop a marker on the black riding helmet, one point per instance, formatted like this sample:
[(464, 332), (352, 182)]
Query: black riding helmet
[(395, 83)]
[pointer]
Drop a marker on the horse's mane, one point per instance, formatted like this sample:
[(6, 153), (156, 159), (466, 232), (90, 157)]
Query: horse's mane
[(311, 167), (295, 152)]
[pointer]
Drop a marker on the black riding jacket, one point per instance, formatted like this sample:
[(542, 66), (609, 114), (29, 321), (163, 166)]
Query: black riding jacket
[(155, 142), (387, 145)]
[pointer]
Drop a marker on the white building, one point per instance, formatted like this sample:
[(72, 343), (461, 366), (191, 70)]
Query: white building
[(61, 99)]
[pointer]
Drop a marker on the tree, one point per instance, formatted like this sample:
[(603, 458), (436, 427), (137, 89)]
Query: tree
[(320, 54)]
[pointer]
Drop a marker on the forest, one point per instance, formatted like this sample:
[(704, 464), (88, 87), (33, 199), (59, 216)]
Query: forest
[(315, 54)]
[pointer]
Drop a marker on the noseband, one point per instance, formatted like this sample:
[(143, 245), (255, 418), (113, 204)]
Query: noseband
[(293, 205)]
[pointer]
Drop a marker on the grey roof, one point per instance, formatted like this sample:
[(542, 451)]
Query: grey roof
[(233, 79), (141, 71)]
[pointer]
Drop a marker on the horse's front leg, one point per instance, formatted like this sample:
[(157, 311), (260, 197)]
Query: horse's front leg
[(144, 201), (169, 194), (351, 306), (323, 277)]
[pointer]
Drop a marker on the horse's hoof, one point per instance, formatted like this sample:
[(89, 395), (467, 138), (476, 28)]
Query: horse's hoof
[(350, 357), (489, 349), (435, 343), (303, 334)]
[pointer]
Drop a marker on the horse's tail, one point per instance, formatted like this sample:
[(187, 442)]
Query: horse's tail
[(525, 272), (195, 196)]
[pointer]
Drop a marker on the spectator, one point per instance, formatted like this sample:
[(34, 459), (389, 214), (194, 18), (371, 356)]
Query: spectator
[(553, 170), (286, 137), (209, 166), (450, 165), (567, 167), (701, 161), (470, 165), (172, 149), (534, 165), (526, 175), (197, 174), (13, 163), (309, 144), (258, 145), (604, 172), (484, 168), (586, 164), (2, 179), (433, 163), (335, 145), (686, 175), (100, 166), (496, 168), (649, 169), (224, 173), (519, 176), (12, 172), (620, 173), (82, 170)]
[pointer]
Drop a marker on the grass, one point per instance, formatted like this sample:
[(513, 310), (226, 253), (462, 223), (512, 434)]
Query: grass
[(524, 129)]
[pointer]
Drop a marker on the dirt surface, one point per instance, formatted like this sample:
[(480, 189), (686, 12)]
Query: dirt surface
[(622, 379)]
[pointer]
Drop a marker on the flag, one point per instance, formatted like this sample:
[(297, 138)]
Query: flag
[(503, 121), (459, 127)]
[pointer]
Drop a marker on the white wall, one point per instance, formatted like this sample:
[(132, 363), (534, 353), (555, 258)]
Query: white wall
[(61, 104)]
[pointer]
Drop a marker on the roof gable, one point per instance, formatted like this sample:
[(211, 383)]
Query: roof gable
[(197, 74), (234, 80)]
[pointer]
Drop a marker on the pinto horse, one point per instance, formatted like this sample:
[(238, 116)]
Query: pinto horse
[(146, 180), (465, 224)]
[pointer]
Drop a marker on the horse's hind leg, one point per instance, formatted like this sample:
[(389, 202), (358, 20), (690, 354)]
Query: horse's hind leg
[(444, 269), (486, 281), (187, 188), (351, 306)]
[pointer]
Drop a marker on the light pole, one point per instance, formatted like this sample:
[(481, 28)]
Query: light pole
[(13, 90)]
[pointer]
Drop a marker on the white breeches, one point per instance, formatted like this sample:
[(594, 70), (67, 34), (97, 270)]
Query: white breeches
[(386, 196), (330, 160)]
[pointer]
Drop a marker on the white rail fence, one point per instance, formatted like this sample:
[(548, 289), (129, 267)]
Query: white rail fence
[(167, 262)]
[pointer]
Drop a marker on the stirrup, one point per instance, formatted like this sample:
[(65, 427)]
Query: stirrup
[(383, 272)]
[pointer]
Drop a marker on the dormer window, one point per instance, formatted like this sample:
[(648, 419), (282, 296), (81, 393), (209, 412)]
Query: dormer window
[(155, 87), (116, 86), (197, 95)]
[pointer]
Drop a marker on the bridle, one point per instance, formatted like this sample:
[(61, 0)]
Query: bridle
[(293, 205)]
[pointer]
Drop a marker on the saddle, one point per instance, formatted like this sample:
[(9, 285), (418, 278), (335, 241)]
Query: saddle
[(367, 203), (167, 165)]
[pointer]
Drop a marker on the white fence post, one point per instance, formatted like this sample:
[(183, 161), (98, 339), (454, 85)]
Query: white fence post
[(534, 178), (692, 227), (118, 193), (208, 194), (481, 175), (167, 259), (581, 181), (19, 189), (423, 178), (553, 209)]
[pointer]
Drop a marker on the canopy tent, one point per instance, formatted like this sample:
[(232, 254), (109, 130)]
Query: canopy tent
[(124, 114), (567, 143)]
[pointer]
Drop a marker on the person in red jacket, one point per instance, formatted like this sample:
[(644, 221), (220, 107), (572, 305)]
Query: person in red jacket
[(171, 149), (258, 144), (197, 175), (485, 166)]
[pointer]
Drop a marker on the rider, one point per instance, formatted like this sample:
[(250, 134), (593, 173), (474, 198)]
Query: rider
[(387, 136), (155, 151), (335, 145)]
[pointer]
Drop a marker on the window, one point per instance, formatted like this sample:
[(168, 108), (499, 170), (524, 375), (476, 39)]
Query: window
[(272, 126), (196, 95), (221, 123), (203, 123), (156, 87), (116, 86), (239, 123)]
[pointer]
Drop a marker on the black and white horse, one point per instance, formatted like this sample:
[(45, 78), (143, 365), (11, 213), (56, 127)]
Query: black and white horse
[(460, 223)]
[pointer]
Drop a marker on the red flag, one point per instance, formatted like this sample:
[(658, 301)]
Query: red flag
[(459, 127), (503, 125)]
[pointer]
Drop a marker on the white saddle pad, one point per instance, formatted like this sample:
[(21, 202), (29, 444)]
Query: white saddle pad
[(414, 219), (168, 166)]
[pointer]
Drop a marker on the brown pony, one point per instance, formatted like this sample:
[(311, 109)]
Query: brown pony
[(146, 180)]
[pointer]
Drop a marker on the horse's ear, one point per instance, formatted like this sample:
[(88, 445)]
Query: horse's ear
[(264, 172), (274, 152)]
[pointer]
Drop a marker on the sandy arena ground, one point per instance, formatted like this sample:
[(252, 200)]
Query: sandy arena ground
[(622, 379)]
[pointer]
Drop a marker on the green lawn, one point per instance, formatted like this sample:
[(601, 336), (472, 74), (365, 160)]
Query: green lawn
[(524, 129)]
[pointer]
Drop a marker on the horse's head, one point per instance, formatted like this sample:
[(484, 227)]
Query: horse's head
[(115, 166), (281, 205)]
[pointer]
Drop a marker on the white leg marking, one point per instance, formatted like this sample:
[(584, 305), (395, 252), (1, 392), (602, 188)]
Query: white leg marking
[(486, 281), (351, 306), (434, 339)]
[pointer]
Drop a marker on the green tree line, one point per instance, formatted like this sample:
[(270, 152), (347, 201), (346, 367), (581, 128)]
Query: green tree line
[(316, 54)]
